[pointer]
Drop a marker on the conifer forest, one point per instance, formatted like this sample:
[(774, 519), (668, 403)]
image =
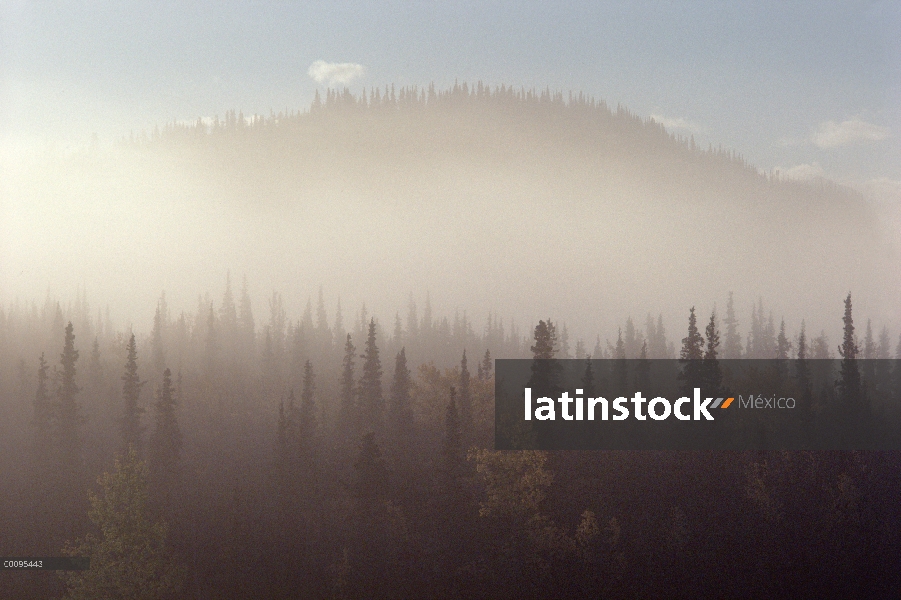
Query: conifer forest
[(315, 419)]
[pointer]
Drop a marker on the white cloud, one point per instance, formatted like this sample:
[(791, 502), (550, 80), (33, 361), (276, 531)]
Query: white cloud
[(677, 123), (804, 172), (832, 135), (333, 73)]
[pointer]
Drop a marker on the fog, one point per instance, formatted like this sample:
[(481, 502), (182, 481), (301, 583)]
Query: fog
[(522, 205)]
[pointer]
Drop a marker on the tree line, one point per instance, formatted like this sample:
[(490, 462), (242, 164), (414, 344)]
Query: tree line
[(248, 470)]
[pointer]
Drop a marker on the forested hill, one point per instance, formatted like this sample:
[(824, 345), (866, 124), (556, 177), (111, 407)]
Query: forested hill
[(473, 124), (481, 175)]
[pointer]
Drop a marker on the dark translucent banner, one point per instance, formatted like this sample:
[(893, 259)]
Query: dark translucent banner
[(47, 563), (698, 405)]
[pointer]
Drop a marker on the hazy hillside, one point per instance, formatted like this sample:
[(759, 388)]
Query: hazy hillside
[(524, 203)]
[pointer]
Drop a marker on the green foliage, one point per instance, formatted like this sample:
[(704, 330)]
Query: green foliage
[(129, 559), (515, 484)]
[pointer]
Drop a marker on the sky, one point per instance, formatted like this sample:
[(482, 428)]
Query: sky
[(811, 88)]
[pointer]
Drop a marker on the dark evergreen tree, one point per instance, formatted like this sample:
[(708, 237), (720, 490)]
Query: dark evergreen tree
[(868, 364), (712, 381), (164, 450), (66, 421), (453, 507), (246, 324), (42, 477), (95, 369), (43, 419), (620, 365), (563, 351), (487, 365), (348, 422), (631, 340), (545, 370), (156, 340), (308, 429), (588, 379), (581, 352), (848, 384), (66, 414), (372, 404), (287, 457), (212, 343), (323, 333), (691, 356), (465, 408), (643, 368), (783, 346), (131, 428), (400, 411), (661, 350), (802, 373), (369, 562), (452, 450), (732, 340), (228, 312)]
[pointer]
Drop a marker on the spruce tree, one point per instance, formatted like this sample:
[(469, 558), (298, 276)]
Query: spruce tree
[(782, 349), (95, 369), (246, 324), (545, 370), (323, 333), (212, 343), (848, 384), (372, 404), (465, 405), (43, 419), (369, 561), (487, 365), (67, 416), (662, 351), (732, 340), (308, 429), (287, 458), (783, 346), (452, 450), (691, 356), (802, 371), (42, 483), (156, 337), (228, 312), (620, 365), (868, 353), (631, 340), (347, 408), (400, 412), (588, 379), (165, 443), (713, 375), (131, 428), (643, 368)]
